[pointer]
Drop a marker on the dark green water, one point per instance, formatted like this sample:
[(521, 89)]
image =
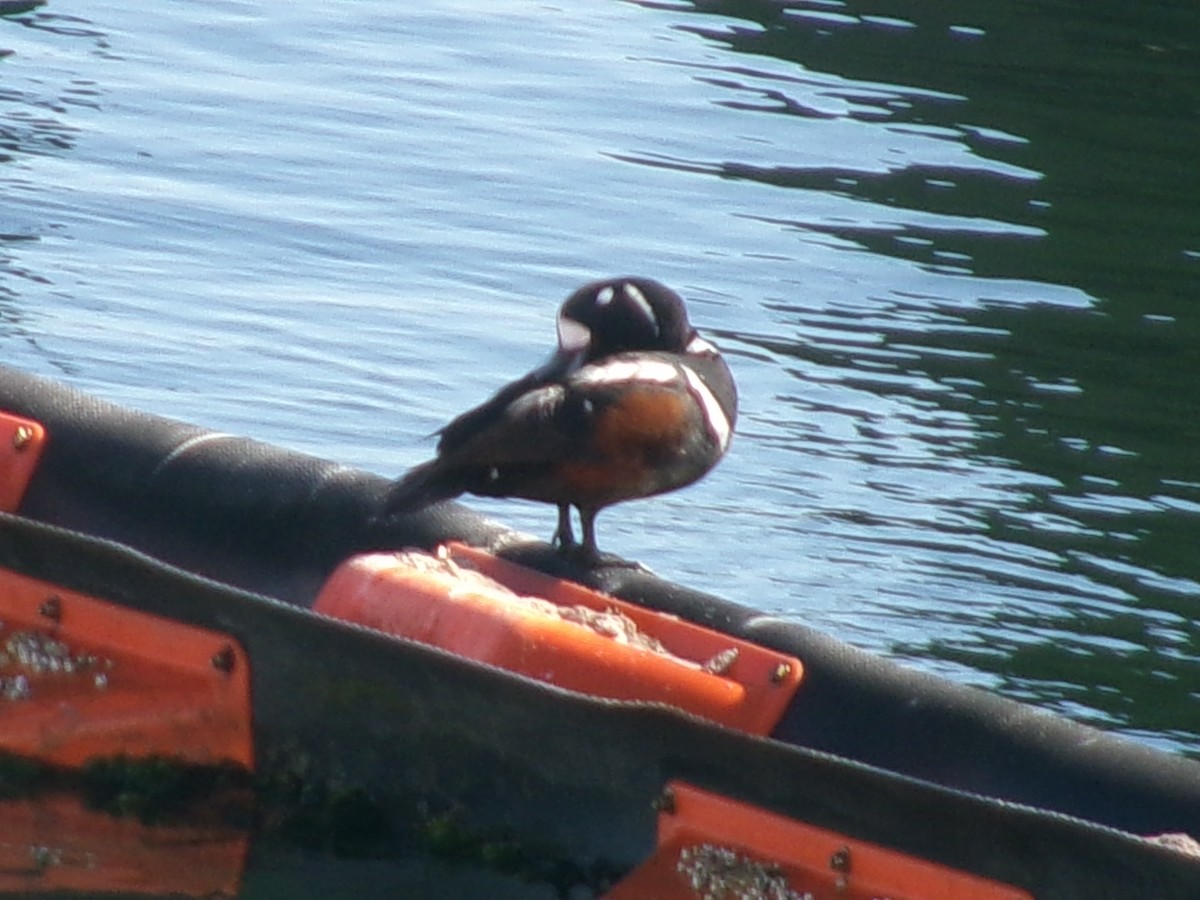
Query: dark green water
[(953, 251), (1093, 402)]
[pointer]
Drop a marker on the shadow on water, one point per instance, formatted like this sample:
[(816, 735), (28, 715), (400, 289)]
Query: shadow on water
[(32, 118), (1068, 200)]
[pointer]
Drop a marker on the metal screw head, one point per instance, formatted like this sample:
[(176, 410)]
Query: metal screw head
[(781, 672), (21, 437), (839, 860), (224, 659), (665, 802), (51, 608)]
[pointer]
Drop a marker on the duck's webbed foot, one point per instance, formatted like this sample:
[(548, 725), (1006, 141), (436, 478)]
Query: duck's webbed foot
[(585, 553)]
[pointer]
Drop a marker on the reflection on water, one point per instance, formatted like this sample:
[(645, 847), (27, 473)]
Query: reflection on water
[(1052, 180), (951, 253)]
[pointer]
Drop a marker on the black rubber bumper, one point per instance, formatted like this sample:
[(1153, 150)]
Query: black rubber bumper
[(273, 522)]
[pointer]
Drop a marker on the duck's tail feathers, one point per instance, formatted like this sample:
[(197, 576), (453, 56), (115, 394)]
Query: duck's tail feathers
[(419, 487)]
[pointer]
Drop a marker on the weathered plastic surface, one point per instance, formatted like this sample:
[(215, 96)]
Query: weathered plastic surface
[(605, 646), (713, 846), (82, 678), (21, 444)]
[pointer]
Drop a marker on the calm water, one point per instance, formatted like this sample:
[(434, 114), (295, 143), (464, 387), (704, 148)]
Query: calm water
[(953, 254)]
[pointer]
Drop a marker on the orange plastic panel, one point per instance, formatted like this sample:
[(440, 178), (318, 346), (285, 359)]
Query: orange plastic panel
[(711, 846), (81, 678), (21, 444), (54, 843), (724, 679)]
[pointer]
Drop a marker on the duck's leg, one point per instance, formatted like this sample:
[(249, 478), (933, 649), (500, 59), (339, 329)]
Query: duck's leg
[(588, 551), (564, 535), (585, 553), (588, 554)]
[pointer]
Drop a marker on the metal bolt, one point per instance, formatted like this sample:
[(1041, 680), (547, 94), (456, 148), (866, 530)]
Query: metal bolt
[(223, 659), (781, 673), (51, 608), (665, 802), (839, 860), (21, 437)]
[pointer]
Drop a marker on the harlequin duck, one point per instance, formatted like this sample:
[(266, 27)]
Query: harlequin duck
[(632, 403)]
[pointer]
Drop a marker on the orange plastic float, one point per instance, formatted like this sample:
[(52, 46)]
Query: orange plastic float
[(712, 846), (21, 443), (54, 844), (473, 604), (82, 678)]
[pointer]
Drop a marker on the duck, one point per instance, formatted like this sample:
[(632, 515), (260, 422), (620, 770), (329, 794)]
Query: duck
[(633, 402)]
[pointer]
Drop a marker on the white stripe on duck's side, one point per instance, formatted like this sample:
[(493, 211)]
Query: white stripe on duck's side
[(719, 427), (626, 370), (657, 372)]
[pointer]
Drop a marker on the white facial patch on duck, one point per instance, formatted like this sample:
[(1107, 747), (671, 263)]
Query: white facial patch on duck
[(719, 426), (643, 305), (573, 336), (626, 370)]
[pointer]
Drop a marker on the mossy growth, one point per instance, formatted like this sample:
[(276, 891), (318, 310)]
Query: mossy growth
[(21, 776), (161, 790), (292, 805), (448, 838)]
